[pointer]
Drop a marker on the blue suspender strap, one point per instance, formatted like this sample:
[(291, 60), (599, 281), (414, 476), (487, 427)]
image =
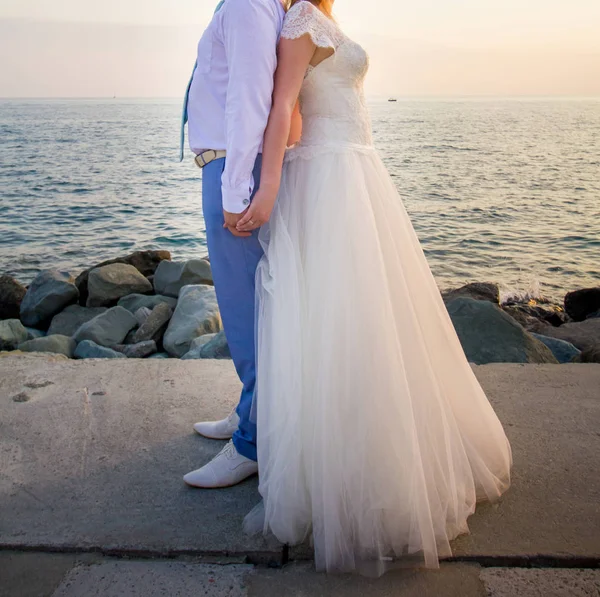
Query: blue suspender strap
[(184, 115)]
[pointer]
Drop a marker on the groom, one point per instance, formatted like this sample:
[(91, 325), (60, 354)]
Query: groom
[(227, 105)]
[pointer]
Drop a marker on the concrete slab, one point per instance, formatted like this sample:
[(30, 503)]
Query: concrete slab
[(154, 579), (157, 579), (32, 574), (92, 454), (300, 580), (551, 414), (549, 582)]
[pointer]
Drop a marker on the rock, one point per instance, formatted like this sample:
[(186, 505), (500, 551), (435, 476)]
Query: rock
[(481, 291), (136, 351), (70, 319), (529, 315), (488, 335), (133, 302), (109, 283), (87, 349), (197, 313), (196, 345), (144, 261), (11, 295), (160, 355), (49, 293), (564, 352), (591, 355), (581, 303), (215, 348), (129, 339), (108, 328), (12, 333), (594, 314), (56, 343), (171, 276), (34, 333), (585, 335), (155, 324), (142, 314), (50, 356)]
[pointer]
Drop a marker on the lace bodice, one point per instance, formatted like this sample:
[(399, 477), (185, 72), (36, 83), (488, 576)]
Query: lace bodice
[(332, 103)]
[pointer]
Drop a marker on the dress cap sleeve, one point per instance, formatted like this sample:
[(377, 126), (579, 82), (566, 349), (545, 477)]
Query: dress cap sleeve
[(305, 18)]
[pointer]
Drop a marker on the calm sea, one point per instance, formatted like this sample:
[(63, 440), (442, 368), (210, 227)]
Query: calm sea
[(497, 190)]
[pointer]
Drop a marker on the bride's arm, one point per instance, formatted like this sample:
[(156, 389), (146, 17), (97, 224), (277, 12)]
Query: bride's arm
[(294, 56), (296, 126)]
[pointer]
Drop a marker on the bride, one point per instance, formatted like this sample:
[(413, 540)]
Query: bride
[(375, 439)]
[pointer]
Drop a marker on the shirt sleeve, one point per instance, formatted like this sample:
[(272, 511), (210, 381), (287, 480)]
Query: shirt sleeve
[(250, 34)]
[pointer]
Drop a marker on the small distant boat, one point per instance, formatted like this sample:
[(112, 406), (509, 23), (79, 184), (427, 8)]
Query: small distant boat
[(392, 99)]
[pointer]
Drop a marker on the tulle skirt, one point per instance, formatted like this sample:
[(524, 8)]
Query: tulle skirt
[(375, 439)]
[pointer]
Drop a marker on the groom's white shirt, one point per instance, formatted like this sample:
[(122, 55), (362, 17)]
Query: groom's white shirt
[(230, 93)]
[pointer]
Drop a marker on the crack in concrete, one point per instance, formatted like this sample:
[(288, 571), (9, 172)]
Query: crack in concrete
[(280, 558)]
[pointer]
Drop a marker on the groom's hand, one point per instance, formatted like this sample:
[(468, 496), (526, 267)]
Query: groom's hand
[(231, 221)]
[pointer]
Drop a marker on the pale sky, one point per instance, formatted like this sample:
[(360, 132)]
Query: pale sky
[(145, 48)]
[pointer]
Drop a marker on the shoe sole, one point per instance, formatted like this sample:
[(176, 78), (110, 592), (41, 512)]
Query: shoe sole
[(213, 436), (220, 486)]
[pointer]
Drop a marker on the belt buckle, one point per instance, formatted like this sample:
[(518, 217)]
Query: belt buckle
[(204, 158)]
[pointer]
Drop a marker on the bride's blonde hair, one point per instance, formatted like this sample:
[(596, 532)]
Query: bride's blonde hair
[(325, 6)]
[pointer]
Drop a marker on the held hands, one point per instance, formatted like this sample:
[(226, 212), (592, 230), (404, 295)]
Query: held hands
[(259, 211), (231, 221)]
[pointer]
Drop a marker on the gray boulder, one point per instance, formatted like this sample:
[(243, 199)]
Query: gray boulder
[(55, 343), (12, 333), (171, 276), (196, 314), (49, 293), (133, 302), (564, 352), (155, 325), (136, 351), (585, 335), (591, 355), (142, 314), (129, 339), (488, 335), (109, 283), (160, 355), (529, 316), (480, 291), (108, 328), (196, 345), (71, 318), (87, 349), (34, 333), (144, 261), (213, 347), (580, 304), (11, 295)]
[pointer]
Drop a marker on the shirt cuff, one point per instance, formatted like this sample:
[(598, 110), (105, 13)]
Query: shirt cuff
[(237, 199)]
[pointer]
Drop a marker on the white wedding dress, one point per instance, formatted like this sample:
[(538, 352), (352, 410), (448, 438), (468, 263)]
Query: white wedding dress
[(375, 439)]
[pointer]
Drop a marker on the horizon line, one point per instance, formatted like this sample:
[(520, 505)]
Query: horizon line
[(392, 95)]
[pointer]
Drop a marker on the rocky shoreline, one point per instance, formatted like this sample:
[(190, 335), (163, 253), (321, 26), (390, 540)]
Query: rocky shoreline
[(145, 305)]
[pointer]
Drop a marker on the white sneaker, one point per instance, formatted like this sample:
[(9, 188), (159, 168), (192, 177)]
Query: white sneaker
[(223, 429), (227, 468)]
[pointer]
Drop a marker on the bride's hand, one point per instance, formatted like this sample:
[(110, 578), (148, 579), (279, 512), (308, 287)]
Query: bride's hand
[(259, 211)]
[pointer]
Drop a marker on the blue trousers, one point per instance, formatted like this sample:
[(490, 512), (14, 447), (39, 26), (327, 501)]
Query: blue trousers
[(233, 261)]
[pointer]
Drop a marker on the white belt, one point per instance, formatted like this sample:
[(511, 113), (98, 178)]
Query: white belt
[(208, 156)]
